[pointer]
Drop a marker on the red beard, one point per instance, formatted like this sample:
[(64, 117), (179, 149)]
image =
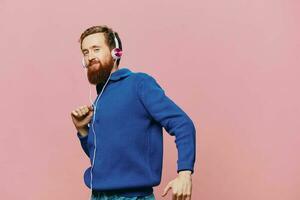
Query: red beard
[(99, 73)]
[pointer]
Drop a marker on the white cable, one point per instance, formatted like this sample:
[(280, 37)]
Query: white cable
[(94, 116)]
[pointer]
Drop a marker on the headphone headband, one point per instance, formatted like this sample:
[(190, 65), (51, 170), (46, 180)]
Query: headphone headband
[(116, 40)]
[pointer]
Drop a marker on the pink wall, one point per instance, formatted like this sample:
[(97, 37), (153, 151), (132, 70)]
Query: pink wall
[(232, 65)]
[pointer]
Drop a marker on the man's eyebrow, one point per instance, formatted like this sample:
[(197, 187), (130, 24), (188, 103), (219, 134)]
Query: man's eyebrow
[(94, 46)]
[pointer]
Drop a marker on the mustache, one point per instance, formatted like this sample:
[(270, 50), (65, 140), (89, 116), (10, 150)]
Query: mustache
[(93, 62)]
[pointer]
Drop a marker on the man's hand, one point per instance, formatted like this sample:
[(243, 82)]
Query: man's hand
[(81, 117), (181, 185)]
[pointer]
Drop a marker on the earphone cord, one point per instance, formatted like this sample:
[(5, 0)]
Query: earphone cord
[(94, 116)]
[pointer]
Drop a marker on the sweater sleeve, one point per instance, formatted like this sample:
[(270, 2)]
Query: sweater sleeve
[(83, 142), (175, 121)]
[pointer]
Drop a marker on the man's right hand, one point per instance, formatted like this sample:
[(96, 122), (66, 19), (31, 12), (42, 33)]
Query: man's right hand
[(81, 117)]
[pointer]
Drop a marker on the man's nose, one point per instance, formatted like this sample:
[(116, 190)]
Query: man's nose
[(91, 56)]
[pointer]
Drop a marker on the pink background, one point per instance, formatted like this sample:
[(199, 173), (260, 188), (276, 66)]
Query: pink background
[(232, 65)]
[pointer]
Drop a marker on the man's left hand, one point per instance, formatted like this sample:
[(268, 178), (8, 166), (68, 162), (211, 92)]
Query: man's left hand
[(181, 185)]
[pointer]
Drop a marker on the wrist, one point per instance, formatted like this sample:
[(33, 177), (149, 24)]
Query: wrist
[(83, 131), (185, 173)]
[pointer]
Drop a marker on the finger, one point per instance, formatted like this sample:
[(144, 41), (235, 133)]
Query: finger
[(185, 190), (74, 113), (91, 108), (83, 110), (188, 192), (79, 112), (179, 196), (174, 197), (168, 187), (86, 108), (188, 197), (90, 114), (184, 196)]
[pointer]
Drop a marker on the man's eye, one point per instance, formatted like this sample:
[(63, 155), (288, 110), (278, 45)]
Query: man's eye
[(97, 49)]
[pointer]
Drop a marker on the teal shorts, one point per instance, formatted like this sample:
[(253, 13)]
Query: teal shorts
[(106, 196)]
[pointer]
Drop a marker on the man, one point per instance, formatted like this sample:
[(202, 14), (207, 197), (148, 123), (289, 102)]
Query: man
[(131, 112)]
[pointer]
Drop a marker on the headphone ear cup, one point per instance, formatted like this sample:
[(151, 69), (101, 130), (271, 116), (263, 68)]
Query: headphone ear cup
[(116, 53)]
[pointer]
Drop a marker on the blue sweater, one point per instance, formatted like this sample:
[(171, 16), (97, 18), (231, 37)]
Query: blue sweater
[(131, 113)]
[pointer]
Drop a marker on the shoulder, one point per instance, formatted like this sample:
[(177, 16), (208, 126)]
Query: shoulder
[(146, 81), (143, 77)]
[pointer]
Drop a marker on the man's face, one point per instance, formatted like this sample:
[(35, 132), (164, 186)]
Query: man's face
[(98, 58)]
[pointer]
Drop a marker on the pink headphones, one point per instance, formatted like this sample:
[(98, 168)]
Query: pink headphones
[(116, 53)]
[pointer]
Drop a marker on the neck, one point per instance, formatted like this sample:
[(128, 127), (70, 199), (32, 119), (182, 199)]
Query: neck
[(115, 68)]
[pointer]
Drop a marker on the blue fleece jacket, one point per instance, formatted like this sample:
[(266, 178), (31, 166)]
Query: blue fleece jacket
[(131, 113)]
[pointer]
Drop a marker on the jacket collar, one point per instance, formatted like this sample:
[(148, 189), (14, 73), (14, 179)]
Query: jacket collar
[(115, 76), (120, 73)]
